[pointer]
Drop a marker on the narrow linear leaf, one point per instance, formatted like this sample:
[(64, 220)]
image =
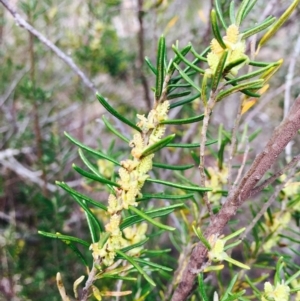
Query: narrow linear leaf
[(215, 28), (187, 78), (94, 177), (160, 67), (177, 59), (260, 27), (112, 111), (177, 78), (134, 219), (90, 223), (173, 167), (139, 269), (81, 196), (204, 89), (164, 197), (153, 265), (184, 187), (234, 64), (99, 227), (156, 252), (256, 84), (151, 220), (201, 287), (136, 245), (199, 57), (77, 252), (183, 121), (179, 86), (158, 145), (219, 14), (219, 71), (90, 150), (259, 64), (184, 101), (186, 61), (88, 164), (241, 12), (278, 24), (65, 237), (191, 145), (248, 8), (177, 95), (114, 130), (253, 74), (232, 12), (151, 67)]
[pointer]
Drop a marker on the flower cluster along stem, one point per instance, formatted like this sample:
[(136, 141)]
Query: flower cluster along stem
[(132, 176)]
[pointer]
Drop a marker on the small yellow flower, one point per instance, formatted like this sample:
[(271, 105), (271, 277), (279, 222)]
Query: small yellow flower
[(279, 293)]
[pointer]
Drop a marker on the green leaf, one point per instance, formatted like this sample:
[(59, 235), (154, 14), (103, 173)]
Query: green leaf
[(134, 219), (248, 9), (112, 111), (91, 226), (184, 101), (160, 67), (95, 221), (219, 70), (179, 86), (139, 269), (234, 64), (256, 84), (164, 197), (201, 286), (92, 151), (133, 246), (79, 195), (94, 177), (204, 89), (177, 95), (177, 59), (184, 187), (157, 146), (65, 237), (151, 67), (232, 12), (241, 12), (191, 145), (153, 265), (278, 24), (186, 61), (219, 14), (184, 120), (215, 28), (173, 167), (253, 74), (221, 152), (151, 220), (187, 78), (77, 252), (260, 27), (114, 130)]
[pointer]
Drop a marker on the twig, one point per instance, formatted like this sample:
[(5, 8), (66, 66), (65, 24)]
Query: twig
[(288, 86), (22, 23), (283, 134), (265, 207), (241, 169), (142, 53), (90, 281), (270, 180), (207, 112)]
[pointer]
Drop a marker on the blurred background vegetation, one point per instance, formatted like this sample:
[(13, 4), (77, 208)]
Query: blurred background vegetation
[(40, 97)]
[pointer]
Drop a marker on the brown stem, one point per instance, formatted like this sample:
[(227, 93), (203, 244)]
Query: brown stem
[(282, 135), (37, 129), (22, 23), (142, 54)]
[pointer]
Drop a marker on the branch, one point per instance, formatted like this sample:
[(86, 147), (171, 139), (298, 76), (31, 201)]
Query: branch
[(68, 60), (270, 180), (282, 135)]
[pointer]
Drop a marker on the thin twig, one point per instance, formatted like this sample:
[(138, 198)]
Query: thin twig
[(270, 180), (288, 86), (207, 112), (68, 60), (241, 169), (265, 206)]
